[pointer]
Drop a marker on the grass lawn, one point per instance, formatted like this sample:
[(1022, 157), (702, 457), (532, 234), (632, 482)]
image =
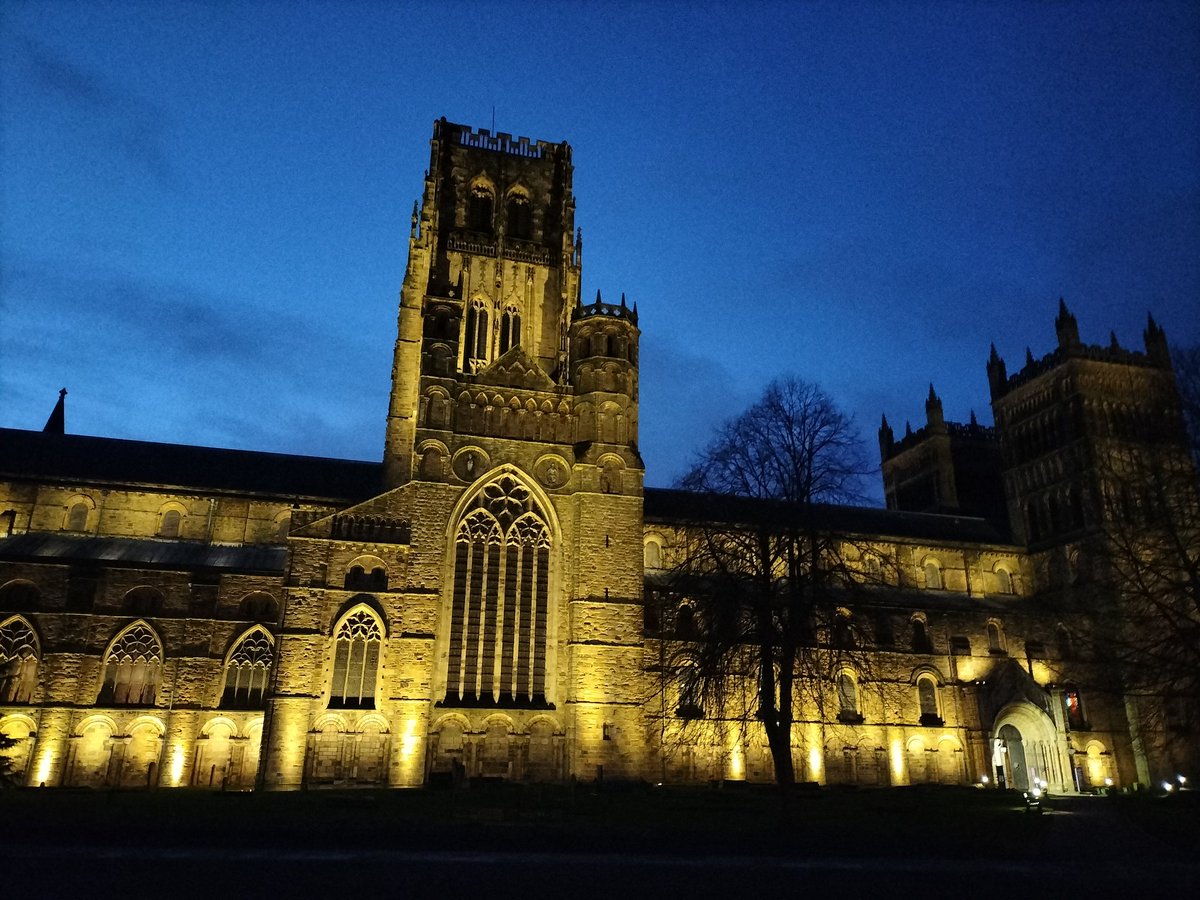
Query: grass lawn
[(950, 823)]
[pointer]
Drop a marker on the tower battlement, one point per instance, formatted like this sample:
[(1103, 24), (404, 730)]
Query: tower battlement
[(501, 142), (611, 310)]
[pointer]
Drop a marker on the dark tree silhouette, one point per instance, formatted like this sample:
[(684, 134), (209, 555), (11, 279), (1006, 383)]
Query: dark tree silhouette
[(1186, 362), (764, 582)]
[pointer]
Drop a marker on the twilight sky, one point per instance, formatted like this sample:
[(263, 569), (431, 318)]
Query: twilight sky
[(204, 207)]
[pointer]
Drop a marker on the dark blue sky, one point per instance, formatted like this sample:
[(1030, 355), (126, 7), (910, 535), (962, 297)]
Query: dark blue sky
[(205, 206)]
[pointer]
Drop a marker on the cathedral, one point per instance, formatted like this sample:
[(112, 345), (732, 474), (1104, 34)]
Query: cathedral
[(476, 605)]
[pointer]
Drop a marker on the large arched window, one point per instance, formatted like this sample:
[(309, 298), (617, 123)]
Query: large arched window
[(498, 621), (927, 696), (77, 514), (246, 671), (847, 695), (170, 523), (356, 660), (132, 668), (520, 217), (933, 575), (18, 661)]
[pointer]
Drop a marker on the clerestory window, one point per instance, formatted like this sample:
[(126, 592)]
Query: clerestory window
[(247, 669), (132, 668)]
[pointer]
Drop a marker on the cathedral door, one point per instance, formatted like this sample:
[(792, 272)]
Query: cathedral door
[(1016, 772)]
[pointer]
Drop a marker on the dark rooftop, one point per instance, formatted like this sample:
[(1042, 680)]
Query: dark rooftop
[(77, 459), (141, 553), (684, 507)]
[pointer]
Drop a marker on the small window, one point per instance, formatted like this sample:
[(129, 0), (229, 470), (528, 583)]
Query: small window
[(1035, 650), (170, 523), (848, 699), (928, 699), (510, 329), (520, 217), (960, 645), (933, 575), (685, 624), (259, 607), (1004, 581), (920, 636), (77, 516), (479, 212), (652, 554), (1074, 707), (144, 601), (842, 631), (995, 638)]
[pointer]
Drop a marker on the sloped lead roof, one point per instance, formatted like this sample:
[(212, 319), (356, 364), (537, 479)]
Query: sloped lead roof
[(70, 458), (143, 553)]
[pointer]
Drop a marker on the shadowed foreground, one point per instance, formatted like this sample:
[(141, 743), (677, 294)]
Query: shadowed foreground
[(592, 843)]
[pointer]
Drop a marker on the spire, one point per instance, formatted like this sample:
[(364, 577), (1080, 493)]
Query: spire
[(933, 409), (974, 421), (598, 300), (997, 372), (57, 423), (1066, 326), (886, 439), (1112, 341), (1156, 342), (1028, 357), (623, 306)]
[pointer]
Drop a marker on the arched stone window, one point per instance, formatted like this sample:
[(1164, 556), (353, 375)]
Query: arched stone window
[(19, 596), (246, 670), (479, 209), (933, 575), (847, 695), (475, 344), (995, 636), (170, 523), (260, 607), (283, 525), (356, 660), (652, 553), (520, 217), (920, 636), (366, 574), (927, 697), (510, 329), (1004, 580), (77, 514), (19, 655), (500, 599), (144, 601), (132, 668)]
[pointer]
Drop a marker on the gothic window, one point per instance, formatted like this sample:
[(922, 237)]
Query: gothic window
[(479, 210), (356, 661), (510, 329), (170, 523), (520, 217), (132, 668), (500, 599), (933, 575), (928, 699), (246, 671), (476, 344), (18, 661), (1004, 581)]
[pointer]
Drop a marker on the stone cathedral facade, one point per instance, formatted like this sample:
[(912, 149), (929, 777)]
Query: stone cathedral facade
[(476, 604)]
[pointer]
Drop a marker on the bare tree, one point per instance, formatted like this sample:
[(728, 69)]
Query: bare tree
[(765, 581), (1186, 362), (1150, 571)]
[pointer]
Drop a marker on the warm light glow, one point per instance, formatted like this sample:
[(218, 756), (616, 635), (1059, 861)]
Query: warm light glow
[(176, 765), (1108, 782), (1168, 787), (814, 763), (43, 768), (737, 763), (408, 743), (1181, 779), (896, 752), (985, 780)]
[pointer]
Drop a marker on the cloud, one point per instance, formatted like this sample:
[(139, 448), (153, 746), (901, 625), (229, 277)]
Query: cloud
[(135, 127)]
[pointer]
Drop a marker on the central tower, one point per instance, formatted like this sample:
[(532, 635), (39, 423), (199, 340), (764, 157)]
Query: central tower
[(493, 276)]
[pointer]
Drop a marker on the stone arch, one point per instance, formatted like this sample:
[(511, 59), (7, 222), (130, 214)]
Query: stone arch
[(19, 595), (132, 667), (1024, 745), (172, 517), (259, 606), (498, 627), (78, 513), (366, 572), (23, 729), (934, 576), (358, 638), (652, 551), (91, 747), (144, 600), (247, 669), (143, 749)]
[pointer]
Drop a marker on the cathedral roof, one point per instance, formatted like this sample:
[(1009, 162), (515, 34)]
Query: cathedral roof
[(74, 458), (246, 559), (685, 507)]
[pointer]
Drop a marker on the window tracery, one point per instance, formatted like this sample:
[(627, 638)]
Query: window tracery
[(356, 661), (500, 599), (132, 668), (19, 657), (247, 670)]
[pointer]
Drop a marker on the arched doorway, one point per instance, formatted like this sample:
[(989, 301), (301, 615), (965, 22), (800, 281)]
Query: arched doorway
[(1011, 769)]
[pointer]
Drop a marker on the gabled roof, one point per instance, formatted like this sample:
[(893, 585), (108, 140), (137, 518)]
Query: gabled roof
[(78, 459), (673, 507)]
